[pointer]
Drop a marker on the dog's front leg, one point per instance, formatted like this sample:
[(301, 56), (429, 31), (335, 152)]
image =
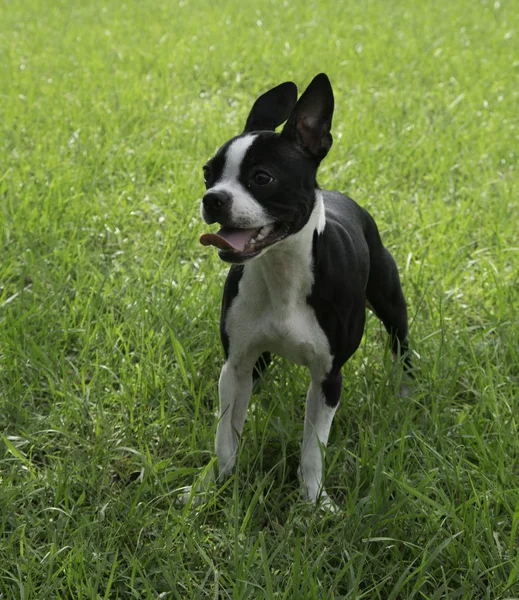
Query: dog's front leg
[(322, 401), (234, 388)]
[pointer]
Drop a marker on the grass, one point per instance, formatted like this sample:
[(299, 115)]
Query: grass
[(109, 350)]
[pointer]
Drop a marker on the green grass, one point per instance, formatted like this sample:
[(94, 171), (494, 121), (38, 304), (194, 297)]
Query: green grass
[(109, 349)]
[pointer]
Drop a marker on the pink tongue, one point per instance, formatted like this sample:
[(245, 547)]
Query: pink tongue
[(228, 238)]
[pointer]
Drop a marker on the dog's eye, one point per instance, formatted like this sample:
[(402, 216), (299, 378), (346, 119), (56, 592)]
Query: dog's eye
[(262, 178)]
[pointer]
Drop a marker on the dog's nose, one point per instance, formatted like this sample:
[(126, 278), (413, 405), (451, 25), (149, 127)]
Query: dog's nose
[(216, 201)]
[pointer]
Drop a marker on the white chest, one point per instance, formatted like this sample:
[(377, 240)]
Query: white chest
[(295, 334), (271, 313), (290, 330)]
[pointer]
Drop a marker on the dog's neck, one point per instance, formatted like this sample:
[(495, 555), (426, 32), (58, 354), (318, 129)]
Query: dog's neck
[(286, 267)]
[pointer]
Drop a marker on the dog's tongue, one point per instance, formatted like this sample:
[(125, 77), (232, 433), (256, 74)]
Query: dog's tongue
[(228, 238)]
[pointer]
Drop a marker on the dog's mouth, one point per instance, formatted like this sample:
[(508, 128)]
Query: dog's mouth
[(238, 245)]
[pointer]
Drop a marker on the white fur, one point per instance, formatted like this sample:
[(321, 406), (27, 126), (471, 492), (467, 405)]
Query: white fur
[(271, 312), (234, 389), (321, 215), (318, 421), (246, 212), (235, 155)]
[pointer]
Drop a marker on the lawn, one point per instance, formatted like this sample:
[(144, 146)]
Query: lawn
[(109, 306)]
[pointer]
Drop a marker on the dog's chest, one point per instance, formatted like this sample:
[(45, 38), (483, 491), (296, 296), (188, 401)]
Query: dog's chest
[(271, 312)]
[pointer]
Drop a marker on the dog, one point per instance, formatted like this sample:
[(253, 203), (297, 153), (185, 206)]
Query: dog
[(305, 264)]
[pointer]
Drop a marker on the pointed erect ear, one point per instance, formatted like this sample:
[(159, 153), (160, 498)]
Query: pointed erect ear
[(272, 108), (310, 122)]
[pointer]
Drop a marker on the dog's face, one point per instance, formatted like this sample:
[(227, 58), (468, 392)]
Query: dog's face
[(261, 184), (260, 189)]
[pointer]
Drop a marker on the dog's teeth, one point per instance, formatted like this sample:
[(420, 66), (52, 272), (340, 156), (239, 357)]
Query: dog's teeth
[(252, 241), (260, 236)]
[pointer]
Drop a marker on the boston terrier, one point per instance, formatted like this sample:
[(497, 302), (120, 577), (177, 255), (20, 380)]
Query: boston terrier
[(305, 264)]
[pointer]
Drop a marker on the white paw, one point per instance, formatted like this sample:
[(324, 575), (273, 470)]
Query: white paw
[(196, 494), (317, 495), (405, 390), (327, 504), (189, 494)]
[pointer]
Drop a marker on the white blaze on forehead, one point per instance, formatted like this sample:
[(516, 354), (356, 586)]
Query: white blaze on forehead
[(246, 212), (235, 155)]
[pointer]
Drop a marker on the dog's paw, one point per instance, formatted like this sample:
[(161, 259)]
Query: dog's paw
[(188, 494), (192, 495), (405, 390), (407, 386), (326, 504), (320, 498), (196, 494)]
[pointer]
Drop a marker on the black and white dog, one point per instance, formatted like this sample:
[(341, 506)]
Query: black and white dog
[(306, 263)]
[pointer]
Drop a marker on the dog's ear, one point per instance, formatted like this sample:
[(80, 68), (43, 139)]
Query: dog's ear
[(272, 108), (310, 123)]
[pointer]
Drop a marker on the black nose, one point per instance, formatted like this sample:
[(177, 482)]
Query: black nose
[(216, 201)]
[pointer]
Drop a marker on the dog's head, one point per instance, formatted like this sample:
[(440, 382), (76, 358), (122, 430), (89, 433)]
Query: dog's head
[(261, 184)]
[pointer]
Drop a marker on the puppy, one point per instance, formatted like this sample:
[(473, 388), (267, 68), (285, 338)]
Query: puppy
[(305, 264)]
